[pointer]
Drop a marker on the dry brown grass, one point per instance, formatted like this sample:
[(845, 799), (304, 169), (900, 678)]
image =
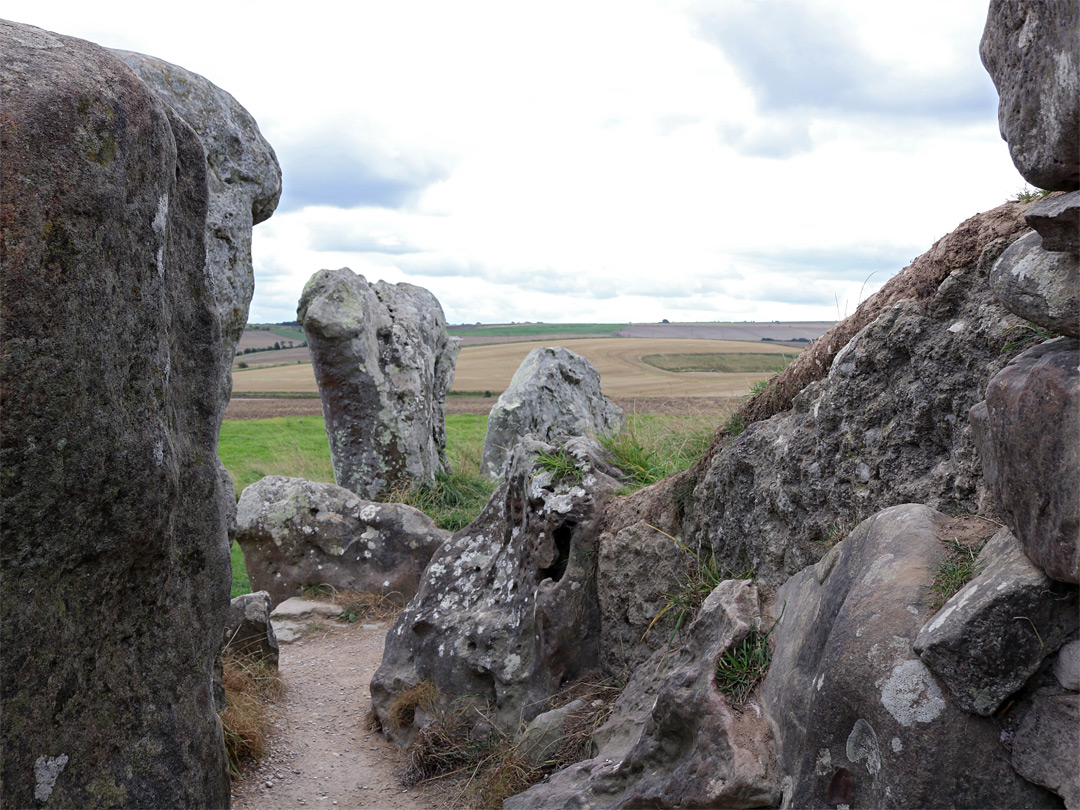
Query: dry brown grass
[(252, 687), (359, 606), (402, 712)]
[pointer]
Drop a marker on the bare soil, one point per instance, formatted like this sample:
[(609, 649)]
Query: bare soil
[(321, 753)]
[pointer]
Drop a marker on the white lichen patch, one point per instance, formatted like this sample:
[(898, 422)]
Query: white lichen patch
[(910, 694), (46, 772)]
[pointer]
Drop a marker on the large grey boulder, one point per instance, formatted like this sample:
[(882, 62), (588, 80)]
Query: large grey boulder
[(243, 178), (249, 633), (114, 513), (995, 632), (887, 425), (1032, 53), (674, 740), (1026, 433), (856, 715), (554, 392), (295, 532), (1038, 285), (1057, 219), (506, 611), (384, 363), (1045, 746)]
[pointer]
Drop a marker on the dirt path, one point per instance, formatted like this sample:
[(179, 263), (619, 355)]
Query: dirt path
[(321, 753)]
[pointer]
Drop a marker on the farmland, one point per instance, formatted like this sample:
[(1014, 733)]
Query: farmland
[(623, 371)]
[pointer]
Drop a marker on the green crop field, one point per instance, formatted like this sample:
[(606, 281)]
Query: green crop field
[(720, 363)]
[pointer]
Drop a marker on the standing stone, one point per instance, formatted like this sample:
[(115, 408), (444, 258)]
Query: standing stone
[(1031, 51), (384, 363), (243, 178), (554, 392), (115, 561), (506, 611), (1026, 434)]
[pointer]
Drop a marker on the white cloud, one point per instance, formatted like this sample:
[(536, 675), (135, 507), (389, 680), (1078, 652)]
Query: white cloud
[(598, 160)]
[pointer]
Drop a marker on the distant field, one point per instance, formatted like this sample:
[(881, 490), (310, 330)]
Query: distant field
[(623, 371), (273, 357), (535, 329), (719, 363)]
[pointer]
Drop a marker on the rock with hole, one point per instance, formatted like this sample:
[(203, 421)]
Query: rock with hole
[(506, 610)]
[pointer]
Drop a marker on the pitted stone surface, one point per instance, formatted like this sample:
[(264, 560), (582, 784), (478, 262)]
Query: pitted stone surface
[(383, 362), (1039, 286), (295, 532)]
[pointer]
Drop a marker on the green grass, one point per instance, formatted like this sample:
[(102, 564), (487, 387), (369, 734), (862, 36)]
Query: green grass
[(562, 466), (240, 582), (954, 572), (290, 445), (530, 329), (719, 363), (653, 447), (740, 669)]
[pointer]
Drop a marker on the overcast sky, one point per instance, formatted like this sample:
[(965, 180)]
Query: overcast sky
[(595, 160)]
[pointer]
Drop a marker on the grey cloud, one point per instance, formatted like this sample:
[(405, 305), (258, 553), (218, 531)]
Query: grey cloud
[(851, 263), (796, 56), (323, 170), (356, 239)]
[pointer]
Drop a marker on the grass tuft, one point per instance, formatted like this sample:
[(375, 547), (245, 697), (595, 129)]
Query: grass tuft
[(563, 467), (954, 572), (703, 574), (740, 669), (402, 712), (651, 448), (1026, 335), (251, 688)]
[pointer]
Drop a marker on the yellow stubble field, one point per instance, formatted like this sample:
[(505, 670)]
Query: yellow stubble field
[(622, 371)]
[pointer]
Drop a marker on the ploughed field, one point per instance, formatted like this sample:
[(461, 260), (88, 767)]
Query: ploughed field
[(624, 371)]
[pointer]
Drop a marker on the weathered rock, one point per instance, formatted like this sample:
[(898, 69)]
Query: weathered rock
[(1039, 286), (243, 178), (673, 739), (1032, 53), (1067, 666), (1057, 220), (995, 632), (291, 617), (248, 631), (845, 691), (506, 610), (1026, 433), (114, 519), (554, 392), (383, 362), (888, 425), (1046, 744), (545, 734), (295, 532)]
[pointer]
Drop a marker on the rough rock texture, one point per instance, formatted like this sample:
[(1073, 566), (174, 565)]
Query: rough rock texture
[(889, 424), (384, 363), (295, 532), (919, 281), (1057, 219), (845, 692), (243, 178), (673, 739), (1039, 286), (506, 610), (248, 632), (1032, 53), (1026, 433), (114, 518), (994, 633), (545, 733), (554, 392), (1046, 744)]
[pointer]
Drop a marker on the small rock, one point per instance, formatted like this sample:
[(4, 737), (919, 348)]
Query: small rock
[(1058, 222), (1067, 666)]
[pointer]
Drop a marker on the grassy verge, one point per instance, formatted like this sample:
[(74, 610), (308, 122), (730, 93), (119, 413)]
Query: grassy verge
[(251, 687), (655, 446), (720, 363)]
